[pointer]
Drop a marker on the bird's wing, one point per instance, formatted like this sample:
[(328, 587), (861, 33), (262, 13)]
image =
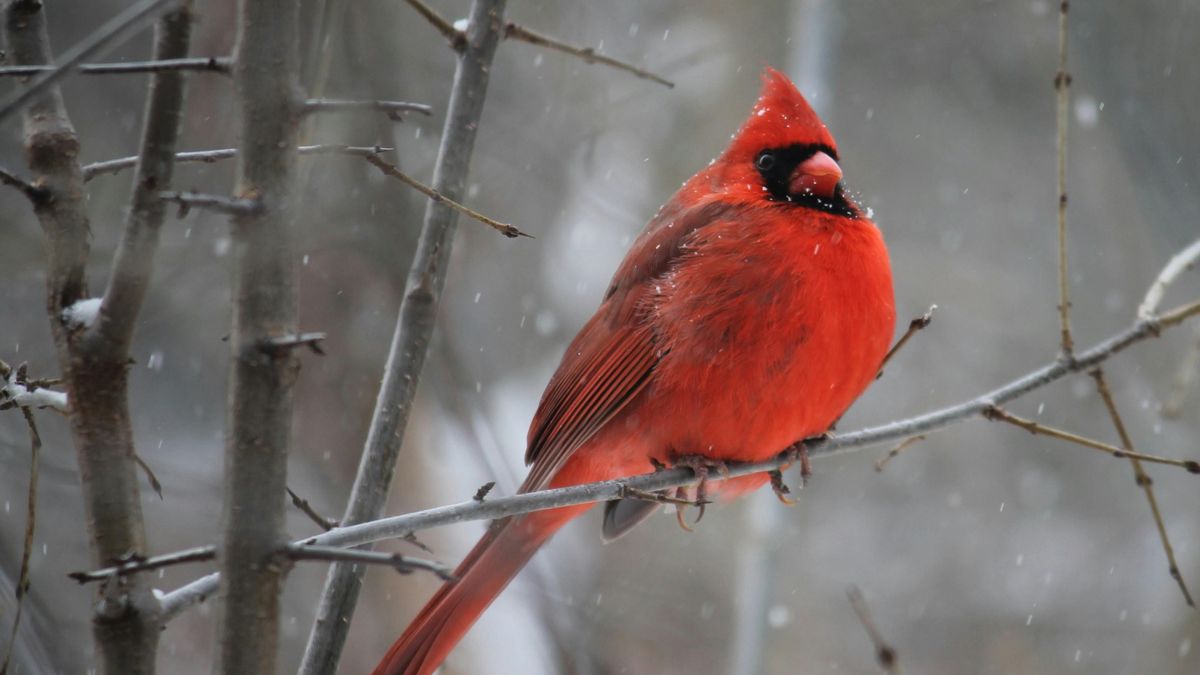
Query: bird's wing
[(613, 357)]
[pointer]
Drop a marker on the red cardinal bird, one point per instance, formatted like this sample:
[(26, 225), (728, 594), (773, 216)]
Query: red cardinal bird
[(750, 313)]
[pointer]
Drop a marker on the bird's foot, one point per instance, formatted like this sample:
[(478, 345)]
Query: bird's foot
[(781, 489), (701, 467)]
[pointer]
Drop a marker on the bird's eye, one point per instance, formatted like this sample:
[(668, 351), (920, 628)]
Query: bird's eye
[(765, 161)]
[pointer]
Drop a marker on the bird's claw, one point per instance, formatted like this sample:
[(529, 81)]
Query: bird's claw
[(781, 489), (701, 466)]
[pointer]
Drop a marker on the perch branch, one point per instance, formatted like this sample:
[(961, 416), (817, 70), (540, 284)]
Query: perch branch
[(414, 327), (499, 507), (1143, 480)]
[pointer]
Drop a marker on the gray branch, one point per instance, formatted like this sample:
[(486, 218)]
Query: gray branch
[(393, 109), (401, 563), (133, 263), (135, 565), (127, 627), (261, 382), (398, 527), (232, 206), (212, 64), (116, 29), (414, 326), (94, 169)]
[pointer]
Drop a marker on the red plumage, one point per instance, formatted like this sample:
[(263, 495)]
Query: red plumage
[(750, 313)]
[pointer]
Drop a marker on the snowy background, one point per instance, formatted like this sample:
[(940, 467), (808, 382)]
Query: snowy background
[(980, 550)]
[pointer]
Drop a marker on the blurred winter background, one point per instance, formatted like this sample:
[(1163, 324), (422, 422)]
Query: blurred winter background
[(981, 550)]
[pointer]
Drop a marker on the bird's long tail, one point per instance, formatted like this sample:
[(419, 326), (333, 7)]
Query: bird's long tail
[(505, 548)]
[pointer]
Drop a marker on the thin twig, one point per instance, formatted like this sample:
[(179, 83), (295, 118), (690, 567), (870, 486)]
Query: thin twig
[(393, 109), (281, 343), (233, 206), (17, 391), (31, 191), (1144, 480), (483, 491), (414, 326), (498, 507), (1185, 379), (114, 30), (94, 169), (391, 170), (900, 447), (401, 563), (137, 564), (456, 38), (514, 31), (150, 477), (307, 509), (1181, 261), (1062, 84), (22, 588), (914, 326), (211, 64), (998, 414), (885, 654)]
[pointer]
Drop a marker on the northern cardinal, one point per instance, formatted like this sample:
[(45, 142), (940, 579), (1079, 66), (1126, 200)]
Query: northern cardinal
[(748, 315)]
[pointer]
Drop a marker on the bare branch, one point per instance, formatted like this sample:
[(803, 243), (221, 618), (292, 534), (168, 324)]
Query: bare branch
[(16, 391), (322, 522), (211, 64), (401, 563), (125, 628), (916, 325), (1181, 261), (393, 109), (260, 385), (456, 38), (94, 169), (515, 31), (885, 654), (135, 564), (32, 192), (391, 170), (133, 263), (414, 326), (900, 447), (114, 30), (1143, 480), (281, 343), (22, 589), (998, 414), (232, 206), (1062, 84)]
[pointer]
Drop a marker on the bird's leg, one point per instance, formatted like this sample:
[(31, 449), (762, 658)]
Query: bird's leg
[(701, 466), (781, 489)]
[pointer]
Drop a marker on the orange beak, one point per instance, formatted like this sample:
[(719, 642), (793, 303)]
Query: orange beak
[(818, 175)]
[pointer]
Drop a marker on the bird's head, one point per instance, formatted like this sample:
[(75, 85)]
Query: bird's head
[(784, 153)]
